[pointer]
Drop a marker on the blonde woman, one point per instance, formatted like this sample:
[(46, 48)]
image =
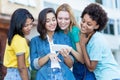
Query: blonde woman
[(68, 25)]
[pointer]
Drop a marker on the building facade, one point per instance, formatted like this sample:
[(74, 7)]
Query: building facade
[(112, 32)]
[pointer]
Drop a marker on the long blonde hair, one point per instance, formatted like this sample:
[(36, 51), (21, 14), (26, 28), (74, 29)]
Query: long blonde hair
[(66, 7)]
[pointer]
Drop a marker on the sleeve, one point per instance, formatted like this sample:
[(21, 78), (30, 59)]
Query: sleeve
[(75, 34), (19, 46), (34, 55), (96, 50)]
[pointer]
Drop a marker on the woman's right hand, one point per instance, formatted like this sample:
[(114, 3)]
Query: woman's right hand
[(53, 57)]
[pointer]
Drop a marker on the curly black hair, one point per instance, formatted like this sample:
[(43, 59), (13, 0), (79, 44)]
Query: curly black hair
[(96, 12)]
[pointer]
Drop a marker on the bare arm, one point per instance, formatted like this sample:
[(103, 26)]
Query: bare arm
[(22, 67), (78, 54), (67, 58), (43, 60), (51, 56), (91, 65), (68, 61)]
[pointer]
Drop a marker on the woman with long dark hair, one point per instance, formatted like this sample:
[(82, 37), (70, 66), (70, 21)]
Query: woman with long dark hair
[(50, 64), (17, 49)]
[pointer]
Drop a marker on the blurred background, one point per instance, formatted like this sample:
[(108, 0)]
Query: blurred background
[(111, 32)]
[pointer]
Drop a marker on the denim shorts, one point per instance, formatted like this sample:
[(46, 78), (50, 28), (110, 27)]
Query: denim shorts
[(13, 74), (56, 74)]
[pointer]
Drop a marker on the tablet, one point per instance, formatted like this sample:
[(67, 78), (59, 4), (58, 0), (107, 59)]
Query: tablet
[(58, 47)]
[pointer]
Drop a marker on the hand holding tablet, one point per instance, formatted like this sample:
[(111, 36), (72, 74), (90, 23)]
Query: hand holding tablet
[(58, 47)]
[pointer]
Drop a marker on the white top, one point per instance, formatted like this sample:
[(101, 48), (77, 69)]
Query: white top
[(54, 63)]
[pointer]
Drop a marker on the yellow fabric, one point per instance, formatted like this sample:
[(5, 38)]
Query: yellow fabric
[(18, 45)]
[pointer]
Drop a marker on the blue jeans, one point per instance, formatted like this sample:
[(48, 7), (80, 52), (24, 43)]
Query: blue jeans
[(13, 74), (56, 74)]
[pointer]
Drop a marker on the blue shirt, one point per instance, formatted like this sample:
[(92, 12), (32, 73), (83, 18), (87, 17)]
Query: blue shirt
[(40, 48), (107, 68)]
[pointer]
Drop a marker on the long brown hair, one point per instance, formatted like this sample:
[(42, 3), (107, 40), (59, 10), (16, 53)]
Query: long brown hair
[(42, 21)]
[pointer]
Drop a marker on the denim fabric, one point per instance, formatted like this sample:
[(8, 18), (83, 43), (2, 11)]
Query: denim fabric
[(81, 72), (13, 74), (40, 48), (56, 74)]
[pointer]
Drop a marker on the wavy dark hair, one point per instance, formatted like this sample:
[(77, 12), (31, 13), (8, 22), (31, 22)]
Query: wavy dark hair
[(42, 21), (97, 14), (17, 22)]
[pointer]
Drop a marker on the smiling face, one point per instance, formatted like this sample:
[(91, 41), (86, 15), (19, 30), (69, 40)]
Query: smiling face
[(51, 22), (27, 27), (88, 25), (63, 19)]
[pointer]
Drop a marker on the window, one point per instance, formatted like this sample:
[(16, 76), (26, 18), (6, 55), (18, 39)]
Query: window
[(117, 4), (47, 4), (108, 3), (119, 30), (77, 15), (98, 1), (110, 27), (118, 26), (24, 2), (92, 1), (32, 3)]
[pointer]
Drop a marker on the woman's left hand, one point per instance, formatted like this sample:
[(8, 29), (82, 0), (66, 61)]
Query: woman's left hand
[(84, 38), (65, 52)]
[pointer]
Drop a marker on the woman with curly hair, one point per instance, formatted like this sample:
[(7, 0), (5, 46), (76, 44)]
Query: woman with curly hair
[(97, 55)]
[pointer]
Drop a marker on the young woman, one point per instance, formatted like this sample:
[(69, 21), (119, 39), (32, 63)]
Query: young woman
[(49, 65), (68, 25), (97, 55), (17, 50)]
